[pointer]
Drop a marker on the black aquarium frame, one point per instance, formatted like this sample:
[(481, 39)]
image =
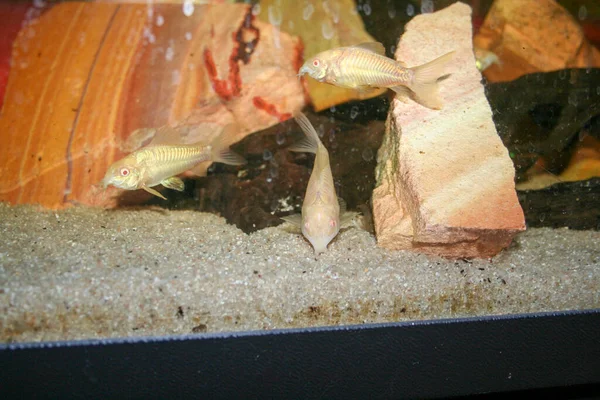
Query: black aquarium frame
[(421, 359)]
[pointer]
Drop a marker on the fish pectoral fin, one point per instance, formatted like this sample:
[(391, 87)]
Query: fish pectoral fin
[(347, 219), (154, 192), (174, 183), (294, 219), (374, 47)]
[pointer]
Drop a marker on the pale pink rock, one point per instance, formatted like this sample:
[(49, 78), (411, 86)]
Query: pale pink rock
[(445, 181)]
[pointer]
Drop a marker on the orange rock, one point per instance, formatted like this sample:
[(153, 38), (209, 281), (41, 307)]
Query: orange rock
[(105, 73), (533, 36), (445, 182)]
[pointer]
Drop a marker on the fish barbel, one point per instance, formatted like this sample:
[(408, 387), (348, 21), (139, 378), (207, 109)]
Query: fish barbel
[(321, 209), (365, 66), (160, 161)]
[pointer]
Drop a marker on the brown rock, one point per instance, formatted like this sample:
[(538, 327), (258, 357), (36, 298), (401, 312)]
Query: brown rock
[(533, 36), (105, 71), (445, 180)]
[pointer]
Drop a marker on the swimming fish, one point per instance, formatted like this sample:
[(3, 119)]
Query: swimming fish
[(365, 66), (321, 210), (163, 158)]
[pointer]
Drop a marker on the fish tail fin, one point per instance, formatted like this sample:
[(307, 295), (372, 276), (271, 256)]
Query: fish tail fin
[(425, 80), (311, 141), (220, 151)]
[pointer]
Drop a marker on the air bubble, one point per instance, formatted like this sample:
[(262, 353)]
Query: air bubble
[(321, 130), (267, 155), (367, 154), (188, 8), (354, 112), (256, 9), (427, 6), (275, 15), (308, 11), (159, 20), (273, 172), (335, 13), (327, 29), (392, 12), (188, 36), (583, 13), (169, 54), (410, 10), (562, 74), (280, 138), (367, 9), (175, 77), (39, 3), (573, 99), (331, 135)]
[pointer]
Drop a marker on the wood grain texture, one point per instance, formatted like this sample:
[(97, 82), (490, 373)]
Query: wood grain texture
[(106, 75)]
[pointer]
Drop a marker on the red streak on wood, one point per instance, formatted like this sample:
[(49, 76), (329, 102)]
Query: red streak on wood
[(220, 86), (270, 109), (232, 87)]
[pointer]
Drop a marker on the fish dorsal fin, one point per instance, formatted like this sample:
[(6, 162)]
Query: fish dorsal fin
[(374, 47), (310, 142), (165, 135)]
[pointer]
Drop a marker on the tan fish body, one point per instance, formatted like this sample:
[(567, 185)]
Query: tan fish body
[(160, 161), (321, 209), (365, 66)]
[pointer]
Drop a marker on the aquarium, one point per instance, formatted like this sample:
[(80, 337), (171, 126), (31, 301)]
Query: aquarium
[(176, 168)]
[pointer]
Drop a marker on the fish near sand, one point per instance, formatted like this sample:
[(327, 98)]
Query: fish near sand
[(365, 67), (321, 210), (165, 157)]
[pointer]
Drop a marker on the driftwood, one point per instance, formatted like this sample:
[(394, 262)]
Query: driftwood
[(541, 114)]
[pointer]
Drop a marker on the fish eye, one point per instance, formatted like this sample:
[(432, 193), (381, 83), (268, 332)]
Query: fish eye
[(316, 63), (124, 171)]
